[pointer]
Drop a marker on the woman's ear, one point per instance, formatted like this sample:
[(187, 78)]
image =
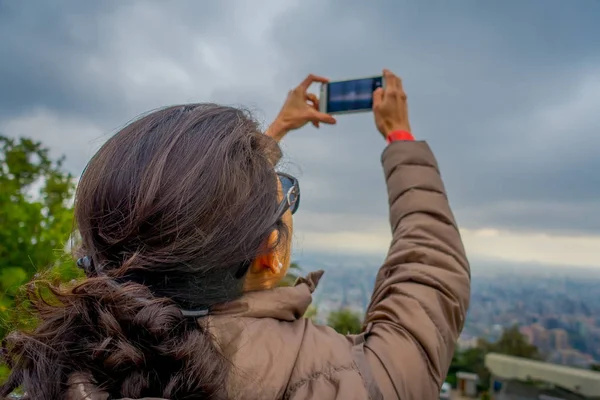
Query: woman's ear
[(269, 261), (268, 269), (272, 260)]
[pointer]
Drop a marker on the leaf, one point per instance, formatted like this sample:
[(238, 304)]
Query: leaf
[(12, 277), (291, 276), (345, 321), (311, 312), (36, 221)]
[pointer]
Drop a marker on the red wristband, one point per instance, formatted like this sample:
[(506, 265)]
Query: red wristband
[(399, 135)]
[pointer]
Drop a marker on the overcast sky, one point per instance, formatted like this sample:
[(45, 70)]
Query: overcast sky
[(507, 93)]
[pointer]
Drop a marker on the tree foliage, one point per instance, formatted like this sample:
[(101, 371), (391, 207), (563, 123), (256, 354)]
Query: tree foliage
[(291, 276), (511, 343), (36, 219), (345, 321), (311, 312)]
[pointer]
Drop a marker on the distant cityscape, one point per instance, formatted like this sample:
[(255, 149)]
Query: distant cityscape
[(558, 314), (556, 310)]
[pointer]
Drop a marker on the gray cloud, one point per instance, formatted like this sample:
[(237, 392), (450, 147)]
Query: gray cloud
[(480, 80), (43, 49), (498, 89)]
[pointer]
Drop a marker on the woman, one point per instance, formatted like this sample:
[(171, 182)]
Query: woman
[(186, 229)]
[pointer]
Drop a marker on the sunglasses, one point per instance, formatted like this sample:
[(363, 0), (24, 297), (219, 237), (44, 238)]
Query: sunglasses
[(291, 194)]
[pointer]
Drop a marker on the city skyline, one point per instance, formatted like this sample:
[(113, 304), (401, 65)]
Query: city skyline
[(558, 313)]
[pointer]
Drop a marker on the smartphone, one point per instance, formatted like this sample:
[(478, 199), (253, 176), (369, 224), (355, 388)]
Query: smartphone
[(349, 96)]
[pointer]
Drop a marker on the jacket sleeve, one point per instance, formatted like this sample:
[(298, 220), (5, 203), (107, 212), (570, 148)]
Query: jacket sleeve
[(422, 290)]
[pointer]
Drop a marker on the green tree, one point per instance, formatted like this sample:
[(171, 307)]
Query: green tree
[(293, 274), (36, 220), (311, 312), (470, 360), (511, 343), (345, 321)]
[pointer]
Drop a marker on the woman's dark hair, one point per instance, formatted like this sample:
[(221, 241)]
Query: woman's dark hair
[(171, 211)]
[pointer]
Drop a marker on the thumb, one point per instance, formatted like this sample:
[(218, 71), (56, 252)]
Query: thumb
[(377, 97), (322, 117)]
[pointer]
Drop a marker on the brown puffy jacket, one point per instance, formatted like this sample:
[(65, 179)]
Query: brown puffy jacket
[(416, 313)]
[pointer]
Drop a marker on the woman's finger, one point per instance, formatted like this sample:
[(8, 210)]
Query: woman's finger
[(391, 80), (310, 79), (317, 116), (313, 99), (377, 97)]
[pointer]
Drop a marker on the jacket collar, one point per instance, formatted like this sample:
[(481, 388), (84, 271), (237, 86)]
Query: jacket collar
[(283, 303)]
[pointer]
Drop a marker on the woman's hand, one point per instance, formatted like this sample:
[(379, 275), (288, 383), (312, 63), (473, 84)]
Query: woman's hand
[(299, 108), (390, 107)]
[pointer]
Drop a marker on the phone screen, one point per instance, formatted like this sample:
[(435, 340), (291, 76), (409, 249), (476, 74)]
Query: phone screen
[(352, 96)]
